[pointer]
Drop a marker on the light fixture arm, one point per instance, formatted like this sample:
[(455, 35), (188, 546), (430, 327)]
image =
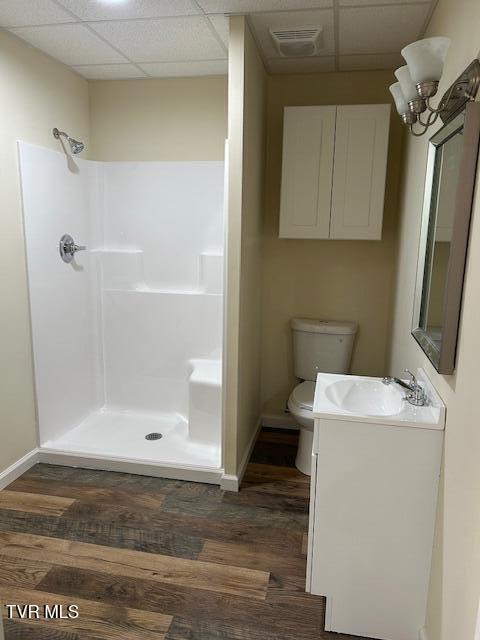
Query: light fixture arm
[(462, 91), (417, 134), (438, 110), (428, 89), (443, 102), (431, 118)]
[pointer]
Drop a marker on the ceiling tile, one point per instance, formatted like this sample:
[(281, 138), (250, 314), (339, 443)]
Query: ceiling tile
[(109, 71), (221, 25), (72, 44), (252, 6), (301, 65), (380, 28), (94, 10), (162, 40), (264, 21), (19, 13), (185, 69), (371, 61)]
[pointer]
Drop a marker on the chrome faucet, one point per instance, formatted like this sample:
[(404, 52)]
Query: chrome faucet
[(416, 393)]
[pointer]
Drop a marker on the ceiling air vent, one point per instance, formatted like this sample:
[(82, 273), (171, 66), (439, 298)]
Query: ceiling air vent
[(298, 42)]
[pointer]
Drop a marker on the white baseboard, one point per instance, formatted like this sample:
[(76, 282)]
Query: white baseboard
[(422, 634), (19, 467), (328, 613), (230, 482)]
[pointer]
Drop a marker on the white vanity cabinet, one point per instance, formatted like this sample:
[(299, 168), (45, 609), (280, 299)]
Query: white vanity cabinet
[(372, 515), (333, 171)]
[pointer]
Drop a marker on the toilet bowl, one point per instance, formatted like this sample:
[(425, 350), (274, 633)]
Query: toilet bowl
[(300, 405), (318, 346)]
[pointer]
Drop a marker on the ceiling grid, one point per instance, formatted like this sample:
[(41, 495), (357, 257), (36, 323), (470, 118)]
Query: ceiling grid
[(167, 38)]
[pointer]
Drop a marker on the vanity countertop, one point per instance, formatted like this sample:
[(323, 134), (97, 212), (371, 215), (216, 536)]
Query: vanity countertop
[(367, 399)]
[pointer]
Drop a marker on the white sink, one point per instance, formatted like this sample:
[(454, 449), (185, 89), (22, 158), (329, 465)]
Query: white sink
[(365, 396), (365, 399)]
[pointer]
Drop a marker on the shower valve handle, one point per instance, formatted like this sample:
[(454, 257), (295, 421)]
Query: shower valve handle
[(68, 248)]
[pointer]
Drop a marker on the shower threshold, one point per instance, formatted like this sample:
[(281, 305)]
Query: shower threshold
[(116, 440)]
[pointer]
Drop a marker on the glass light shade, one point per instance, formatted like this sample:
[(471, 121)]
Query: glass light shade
[(400, 102), (425, 58), (409, 89)]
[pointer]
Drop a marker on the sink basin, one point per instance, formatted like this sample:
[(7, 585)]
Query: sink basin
[(366, 397)]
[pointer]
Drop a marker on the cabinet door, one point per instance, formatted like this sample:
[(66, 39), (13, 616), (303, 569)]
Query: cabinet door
[(374, 516), (361, 146), (308, 146)]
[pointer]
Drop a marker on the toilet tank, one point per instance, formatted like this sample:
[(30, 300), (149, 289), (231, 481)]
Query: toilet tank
[(322, 346)]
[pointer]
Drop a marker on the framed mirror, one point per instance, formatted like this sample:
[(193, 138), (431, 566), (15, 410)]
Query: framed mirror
[(447, 207)]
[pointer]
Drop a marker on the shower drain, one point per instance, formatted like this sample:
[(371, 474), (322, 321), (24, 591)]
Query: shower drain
[(153, 436)]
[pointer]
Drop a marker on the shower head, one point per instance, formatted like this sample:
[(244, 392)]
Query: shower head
[(75, 145)]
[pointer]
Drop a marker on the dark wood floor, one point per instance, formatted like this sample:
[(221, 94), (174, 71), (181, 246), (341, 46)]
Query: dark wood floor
[(147, 558)]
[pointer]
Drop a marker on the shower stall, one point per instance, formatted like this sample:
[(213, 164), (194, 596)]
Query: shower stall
[(125, 268)]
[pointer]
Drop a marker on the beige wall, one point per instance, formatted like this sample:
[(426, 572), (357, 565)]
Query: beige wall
[(331, 279), (247, 97), (36, 94), (455, 579), (159, 119)]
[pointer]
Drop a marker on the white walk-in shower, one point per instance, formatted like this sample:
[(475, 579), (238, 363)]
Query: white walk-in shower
[(127, 337)]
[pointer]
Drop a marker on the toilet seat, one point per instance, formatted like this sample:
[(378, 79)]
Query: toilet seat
[(300, 404), (303, 394)]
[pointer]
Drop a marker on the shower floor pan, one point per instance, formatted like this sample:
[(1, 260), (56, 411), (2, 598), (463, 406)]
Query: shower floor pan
[(116, 440)]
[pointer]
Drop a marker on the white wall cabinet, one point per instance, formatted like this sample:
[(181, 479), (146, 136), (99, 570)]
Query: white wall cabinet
[(308, 150), (333, 171)]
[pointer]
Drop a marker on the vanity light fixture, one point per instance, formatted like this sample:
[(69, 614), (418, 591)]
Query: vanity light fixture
[(418, 82)]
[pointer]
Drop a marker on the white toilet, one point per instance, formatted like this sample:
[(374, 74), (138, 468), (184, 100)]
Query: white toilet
[(318, 346)]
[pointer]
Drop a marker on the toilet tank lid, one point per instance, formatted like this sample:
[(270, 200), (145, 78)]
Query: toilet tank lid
[(311, 325)]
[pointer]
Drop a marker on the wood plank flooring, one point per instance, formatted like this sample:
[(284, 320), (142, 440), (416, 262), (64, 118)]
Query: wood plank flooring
[(150, 558)]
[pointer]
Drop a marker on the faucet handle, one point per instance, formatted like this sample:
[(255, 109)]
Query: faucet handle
[(417, 395), (413, 378)]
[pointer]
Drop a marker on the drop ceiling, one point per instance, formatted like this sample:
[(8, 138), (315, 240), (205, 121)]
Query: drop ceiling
[(104, 39)]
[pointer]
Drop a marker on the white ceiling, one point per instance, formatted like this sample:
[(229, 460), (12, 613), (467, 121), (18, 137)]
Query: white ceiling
[(162, 38)]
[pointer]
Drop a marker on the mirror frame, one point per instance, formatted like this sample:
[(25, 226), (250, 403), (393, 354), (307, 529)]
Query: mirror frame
[(443, 357)]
